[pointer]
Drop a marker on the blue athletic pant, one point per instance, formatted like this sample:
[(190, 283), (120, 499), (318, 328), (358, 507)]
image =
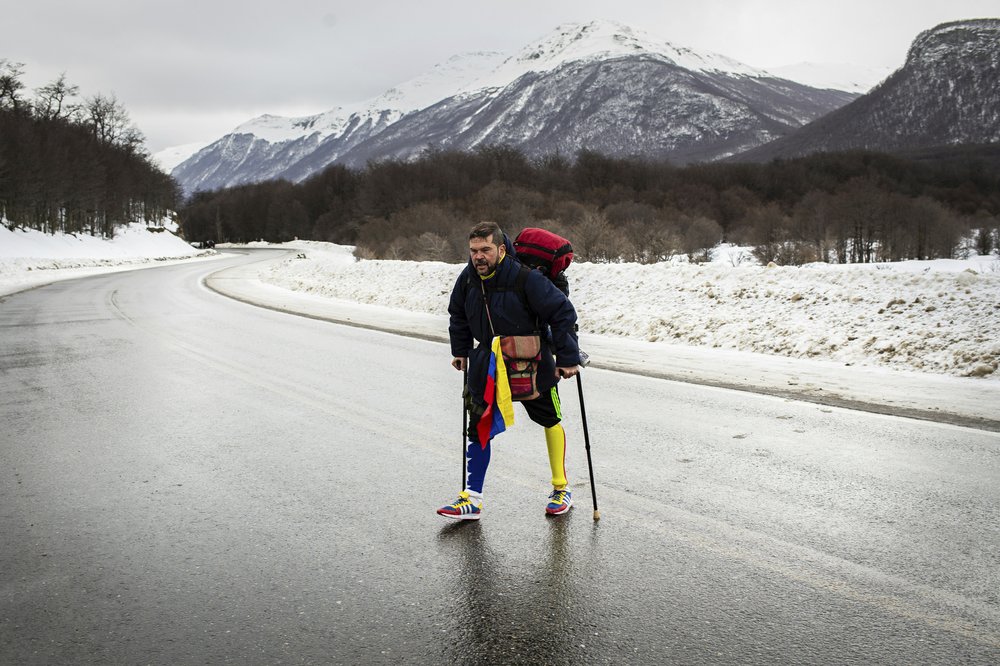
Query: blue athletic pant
[(544, 410)]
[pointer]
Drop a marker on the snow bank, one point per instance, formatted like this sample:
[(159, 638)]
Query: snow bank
[(936, 317), (132, 241), (931, 322), (29, 257)]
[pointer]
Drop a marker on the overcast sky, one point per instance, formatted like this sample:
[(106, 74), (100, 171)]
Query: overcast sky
[(190, 71)]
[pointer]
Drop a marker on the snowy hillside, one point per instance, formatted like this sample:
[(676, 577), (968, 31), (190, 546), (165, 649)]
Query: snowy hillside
[(269, 146), (444, 80), (937, 317), (29, 257)]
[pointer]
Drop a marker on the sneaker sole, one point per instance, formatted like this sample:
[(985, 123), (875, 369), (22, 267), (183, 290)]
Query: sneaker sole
[(465, 516), (559, 512)]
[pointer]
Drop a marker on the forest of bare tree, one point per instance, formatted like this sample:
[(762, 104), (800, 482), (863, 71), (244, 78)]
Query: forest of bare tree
[(74, 165), (848, 207)]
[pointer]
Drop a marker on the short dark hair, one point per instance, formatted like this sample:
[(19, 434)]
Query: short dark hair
[(487, 230)]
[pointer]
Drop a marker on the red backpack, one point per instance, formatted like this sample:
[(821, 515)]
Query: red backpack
[(546, 251)]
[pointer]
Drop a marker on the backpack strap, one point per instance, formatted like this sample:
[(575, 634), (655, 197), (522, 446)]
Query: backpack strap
[(522, 293), (518, 287)]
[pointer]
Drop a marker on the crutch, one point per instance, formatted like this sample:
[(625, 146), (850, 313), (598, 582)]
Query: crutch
[(586, 436), (465, 425)]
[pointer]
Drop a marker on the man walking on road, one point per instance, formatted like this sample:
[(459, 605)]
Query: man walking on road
[(495, 295)]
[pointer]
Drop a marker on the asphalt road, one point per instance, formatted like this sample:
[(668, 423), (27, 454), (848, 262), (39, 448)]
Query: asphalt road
[(186, 479)]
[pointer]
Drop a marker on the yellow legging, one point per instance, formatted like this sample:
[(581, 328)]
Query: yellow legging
[(555, 441)]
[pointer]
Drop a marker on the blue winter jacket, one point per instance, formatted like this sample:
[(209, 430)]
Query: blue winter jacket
[(544, 310)]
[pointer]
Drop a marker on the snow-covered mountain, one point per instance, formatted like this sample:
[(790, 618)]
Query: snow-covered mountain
[(833, 75), (168, 158), (268, 146), (947, 93), (601, 86)]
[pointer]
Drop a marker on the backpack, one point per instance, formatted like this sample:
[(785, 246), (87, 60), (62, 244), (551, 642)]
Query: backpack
[(547, 252), (538, 249)]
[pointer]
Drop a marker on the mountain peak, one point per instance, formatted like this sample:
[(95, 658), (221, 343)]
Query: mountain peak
[(603, 40), (954, 39), (576, 41)]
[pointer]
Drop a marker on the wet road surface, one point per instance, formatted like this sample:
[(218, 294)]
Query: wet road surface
[(188, 479)]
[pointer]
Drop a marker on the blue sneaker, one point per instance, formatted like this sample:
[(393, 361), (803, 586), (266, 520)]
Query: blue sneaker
[(464, 508), (560, 502)]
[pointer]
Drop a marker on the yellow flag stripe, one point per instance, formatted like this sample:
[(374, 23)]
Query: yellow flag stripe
[(504, 403)]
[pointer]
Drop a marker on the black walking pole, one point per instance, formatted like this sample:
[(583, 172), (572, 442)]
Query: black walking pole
[(465, 423), (586, 440)]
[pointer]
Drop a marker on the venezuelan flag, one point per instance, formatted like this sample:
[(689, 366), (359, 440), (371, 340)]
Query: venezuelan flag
[(499, 407)]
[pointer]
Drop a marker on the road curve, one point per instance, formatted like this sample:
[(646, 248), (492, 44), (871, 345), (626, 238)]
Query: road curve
[(189, 479)]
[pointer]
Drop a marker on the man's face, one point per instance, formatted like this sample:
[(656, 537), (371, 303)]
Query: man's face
[(485, 254)]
